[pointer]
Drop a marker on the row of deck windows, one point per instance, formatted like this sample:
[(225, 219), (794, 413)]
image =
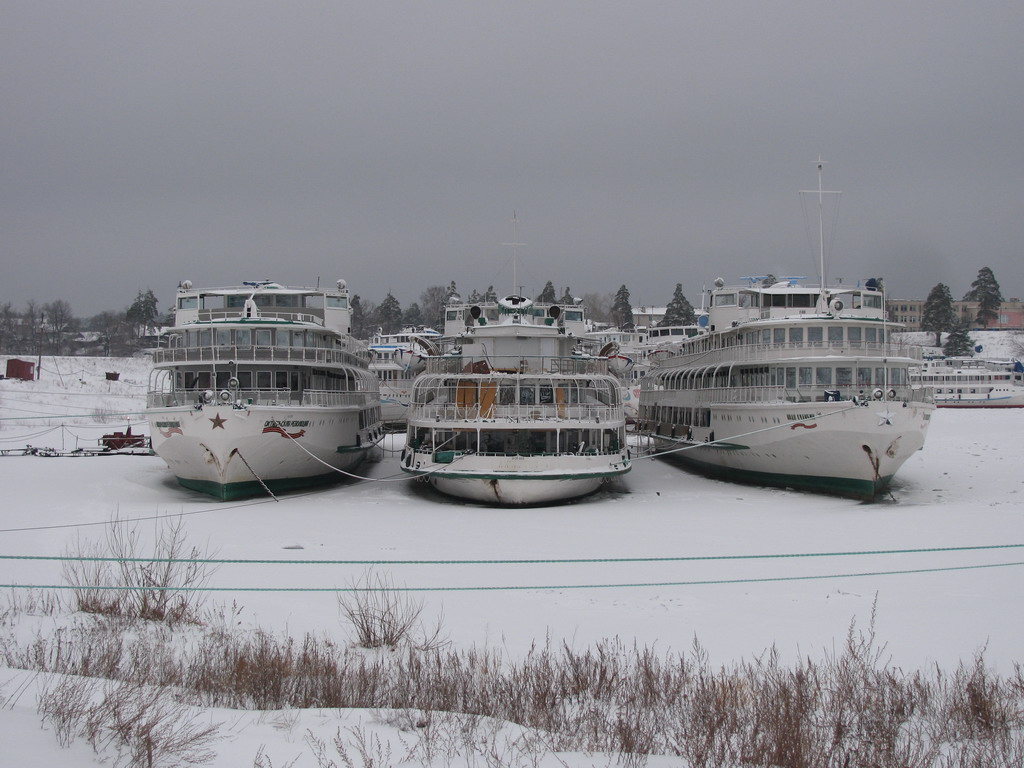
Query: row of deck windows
[(247, 337), (516, 442), (266, 380), (470, 391), (789, 377), (813, 335)]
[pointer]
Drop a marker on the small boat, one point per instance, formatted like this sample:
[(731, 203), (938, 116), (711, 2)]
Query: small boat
[(260, 389), (396, 359), (972, 382), (512, 411)]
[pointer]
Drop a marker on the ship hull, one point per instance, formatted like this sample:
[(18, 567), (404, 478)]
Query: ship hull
[(843, 449), (232, 453), (521, 480)]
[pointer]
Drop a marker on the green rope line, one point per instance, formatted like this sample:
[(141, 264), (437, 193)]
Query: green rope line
[(707, 582), (532, 561)]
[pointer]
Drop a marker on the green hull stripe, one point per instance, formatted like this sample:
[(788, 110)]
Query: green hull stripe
[(249, 489), (514, 476), (841, 486)]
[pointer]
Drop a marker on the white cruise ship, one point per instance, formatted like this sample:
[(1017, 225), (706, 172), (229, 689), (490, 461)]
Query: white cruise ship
[(513, 411), (972, 382), (790, 385), (261, 389), (396, 359)]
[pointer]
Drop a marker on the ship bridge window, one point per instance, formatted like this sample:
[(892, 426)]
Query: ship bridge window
[(775, 300), (573, 314), (814, 335), (725, 300), (263, 337), (779, 336), (337, 302), (313, 300), (188, 302), (243, 337), (853, 334), (223, 337), (823, 376), (205, 337), (871, 335), (873, 302), (802, 299), (453, 314), (796, 336), (213, 302), (748, 299), (835, 334)]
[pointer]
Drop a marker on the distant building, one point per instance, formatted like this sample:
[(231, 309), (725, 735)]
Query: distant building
[(909, 312), (648, 317)]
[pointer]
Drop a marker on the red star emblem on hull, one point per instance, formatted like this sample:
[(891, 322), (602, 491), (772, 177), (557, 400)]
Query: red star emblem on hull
[(218, 422)]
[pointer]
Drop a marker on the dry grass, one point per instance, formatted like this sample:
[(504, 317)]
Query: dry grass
[(850, 708), (117, 577)]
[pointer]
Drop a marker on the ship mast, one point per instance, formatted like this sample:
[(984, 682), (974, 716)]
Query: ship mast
[(821, 229), (515, 255)]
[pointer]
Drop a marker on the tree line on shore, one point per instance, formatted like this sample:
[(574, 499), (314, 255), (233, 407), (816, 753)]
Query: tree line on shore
[(51, 328), (939, 316)]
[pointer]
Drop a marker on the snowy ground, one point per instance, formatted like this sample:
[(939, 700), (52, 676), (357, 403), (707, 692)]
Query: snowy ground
[(965, 489)]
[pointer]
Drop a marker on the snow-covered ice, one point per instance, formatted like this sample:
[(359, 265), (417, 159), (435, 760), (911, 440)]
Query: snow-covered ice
[(965, 489)]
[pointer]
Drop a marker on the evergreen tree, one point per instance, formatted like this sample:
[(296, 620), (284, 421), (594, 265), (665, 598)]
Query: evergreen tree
[(143, 313), (547, 296), (567, 297), (622, 310), (938, 314), (985, 291), (412, 315), (490, 296), (358, 317), (958, 343), (389, 314), (679, 311)]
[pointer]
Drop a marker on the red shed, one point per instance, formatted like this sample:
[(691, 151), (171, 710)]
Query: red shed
[(21, 369)]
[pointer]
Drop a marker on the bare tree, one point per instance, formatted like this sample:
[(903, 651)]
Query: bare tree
[(58, 322)]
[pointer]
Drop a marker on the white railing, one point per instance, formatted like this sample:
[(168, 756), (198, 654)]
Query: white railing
[(756, 353), (564, 366), (304, 315), (596, 414), (261, 397), (243, 354), (775, 394)]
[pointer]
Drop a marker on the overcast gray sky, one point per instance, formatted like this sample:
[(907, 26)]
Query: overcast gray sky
[(388, 143)]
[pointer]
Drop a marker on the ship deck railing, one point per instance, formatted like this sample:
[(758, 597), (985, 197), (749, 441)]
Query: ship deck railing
[(265, 314), (261, 397), (763, 395), (768, 353), (254, 354), (529, 364), (575, 412)]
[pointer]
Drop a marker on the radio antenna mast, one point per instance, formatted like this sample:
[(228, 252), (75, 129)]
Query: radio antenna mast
[(515, 254), (821, 226)]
